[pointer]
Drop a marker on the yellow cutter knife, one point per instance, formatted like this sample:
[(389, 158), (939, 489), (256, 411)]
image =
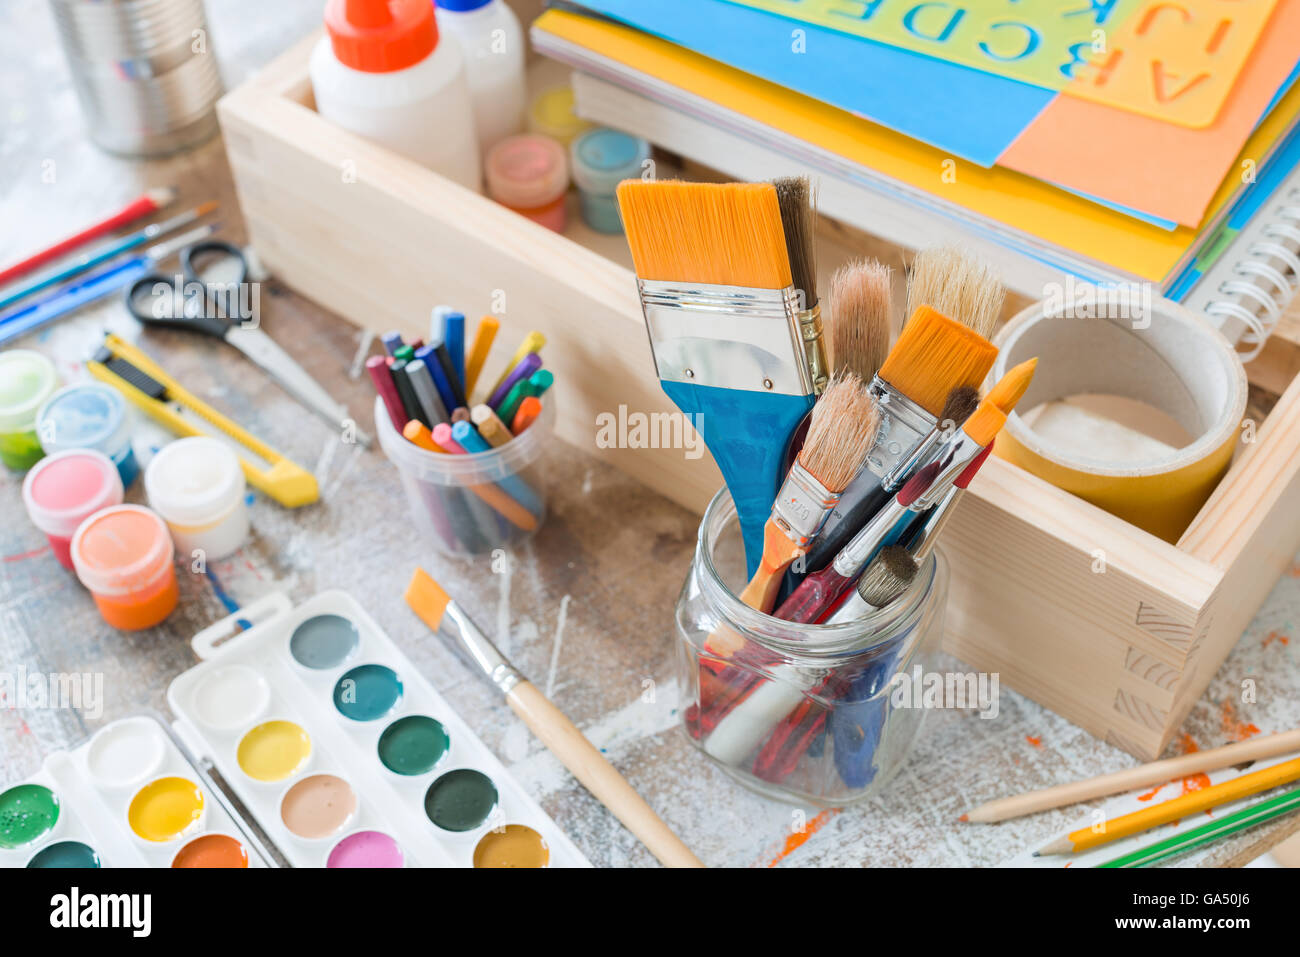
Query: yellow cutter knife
[(143, 381)]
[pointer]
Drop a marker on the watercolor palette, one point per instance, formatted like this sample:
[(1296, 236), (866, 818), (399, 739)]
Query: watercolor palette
[(344, 753), (128, 797)]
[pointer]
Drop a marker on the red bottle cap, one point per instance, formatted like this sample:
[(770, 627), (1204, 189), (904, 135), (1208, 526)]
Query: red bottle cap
[(381, 36)]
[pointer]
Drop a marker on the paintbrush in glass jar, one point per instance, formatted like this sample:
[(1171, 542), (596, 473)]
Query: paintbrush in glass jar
[(934, 355), (818, 593), (722, 312)]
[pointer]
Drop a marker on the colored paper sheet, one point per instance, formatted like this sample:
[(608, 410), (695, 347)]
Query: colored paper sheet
[(971, 114), (1175, 61), (1167, 171), (1000, 195)]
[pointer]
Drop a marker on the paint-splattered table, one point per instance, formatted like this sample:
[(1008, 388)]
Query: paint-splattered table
[(590, 623)]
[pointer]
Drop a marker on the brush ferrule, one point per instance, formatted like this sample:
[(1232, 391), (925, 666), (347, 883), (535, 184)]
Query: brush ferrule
[(872, 537), (727, 337), (495, 665), (922, 544), (903, 427), (802, 505), (955, 454), (814, 345)]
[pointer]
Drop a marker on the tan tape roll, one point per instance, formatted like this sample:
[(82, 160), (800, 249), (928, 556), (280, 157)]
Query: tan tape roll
[(1169, 358)]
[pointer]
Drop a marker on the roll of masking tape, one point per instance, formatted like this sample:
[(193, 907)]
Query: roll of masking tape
[(1156, 353)]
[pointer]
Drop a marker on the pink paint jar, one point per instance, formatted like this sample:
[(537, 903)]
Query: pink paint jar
[(64, 489), (530, 174), (124, 555)]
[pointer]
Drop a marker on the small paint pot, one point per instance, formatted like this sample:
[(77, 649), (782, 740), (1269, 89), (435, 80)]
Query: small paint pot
[(89, 415), (461, 801), (324, 642), (515, 845), (166, 810), (530, 175), (27, 379), (413, 745), (552, 114), (197, 485), (64, 489), (125, 753), (65, 855), (318, 807), (368, 692), (230, 697), (213, 850), (601, 159), (123, 554), (28, 813), (274, 751), (366, 849)]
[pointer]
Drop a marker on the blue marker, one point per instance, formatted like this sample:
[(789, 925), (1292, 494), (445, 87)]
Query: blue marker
[(392, 342), (454, 336), (467, 437), (430, 357)]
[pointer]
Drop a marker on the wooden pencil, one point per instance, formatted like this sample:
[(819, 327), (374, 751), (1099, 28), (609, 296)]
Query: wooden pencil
[(1188, 804), (1130, 779)]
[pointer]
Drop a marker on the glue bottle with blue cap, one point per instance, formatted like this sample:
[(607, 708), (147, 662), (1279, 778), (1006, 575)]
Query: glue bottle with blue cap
[(89, 415), (601, 159)]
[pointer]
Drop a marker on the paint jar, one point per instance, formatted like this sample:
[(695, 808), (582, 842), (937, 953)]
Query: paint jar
[(466, 505), (492, 42), (602, 159), (382, 72), (123, 554), (27, 379), (552, 114), (530, 174), (89, 415), (812, 714), (197, 485), (64, 489)]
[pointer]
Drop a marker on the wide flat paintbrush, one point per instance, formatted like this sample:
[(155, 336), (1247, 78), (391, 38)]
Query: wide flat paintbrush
[(722, 313)]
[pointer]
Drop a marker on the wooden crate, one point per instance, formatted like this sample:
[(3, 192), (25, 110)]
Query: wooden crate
[(1103, 623)]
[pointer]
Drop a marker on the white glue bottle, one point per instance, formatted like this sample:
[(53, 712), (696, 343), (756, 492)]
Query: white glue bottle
[(492, 42), (381, 73)]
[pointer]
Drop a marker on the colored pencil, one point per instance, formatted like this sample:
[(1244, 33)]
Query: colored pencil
[(1180, 807), (1130, 779), (1233, 823), (146, 204), (478, 353)]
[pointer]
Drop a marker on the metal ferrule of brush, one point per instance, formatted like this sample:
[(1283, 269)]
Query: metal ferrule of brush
[(955, 454), (864, 545), (814, 346), (904, 425), (802, 505), (922, 544), (727, 337), (481, 650)]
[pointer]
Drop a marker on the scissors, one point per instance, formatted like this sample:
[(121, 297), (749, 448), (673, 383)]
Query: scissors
[(214, 297)]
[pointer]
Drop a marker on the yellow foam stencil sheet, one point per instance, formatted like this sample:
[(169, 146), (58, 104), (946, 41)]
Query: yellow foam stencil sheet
[(1176, 61)]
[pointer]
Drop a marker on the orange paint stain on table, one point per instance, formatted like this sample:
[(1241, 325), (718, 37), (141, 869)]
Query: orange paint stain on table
[(1233, 727), (1036, 741), (799, 838), (1273, 636)]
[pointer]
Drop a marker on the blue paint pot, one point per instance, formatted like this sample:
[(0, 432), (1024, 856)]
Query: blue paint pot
[(600, 160), (89, 415)]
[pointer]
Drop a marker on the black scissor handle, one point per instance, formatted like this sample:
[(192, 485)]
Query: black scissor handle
[(206, 247), (173, 312)]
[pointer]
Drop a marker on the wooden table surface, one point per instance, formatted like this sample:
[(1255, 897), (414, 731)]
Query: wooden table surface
[(585, 609)]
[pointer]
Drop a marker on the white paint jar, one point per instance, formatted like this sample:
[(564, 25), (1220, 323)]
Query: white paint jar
[(197, 485)]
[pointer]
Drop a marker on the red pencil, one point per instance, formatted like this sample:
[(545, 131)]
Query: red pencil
[(145, 205)]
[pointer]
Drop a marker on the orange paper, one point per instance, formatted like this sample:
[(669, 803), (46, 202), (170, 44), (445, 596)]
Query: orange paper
[(1168, 171)]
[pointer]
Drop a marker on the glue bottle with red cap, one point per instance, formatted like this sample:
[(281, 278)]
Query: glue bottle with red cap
[(381, 72)]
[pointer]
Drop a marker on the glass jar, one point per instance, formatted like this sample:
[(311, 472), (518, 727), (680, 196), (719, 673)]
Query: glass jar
[(801, 713)]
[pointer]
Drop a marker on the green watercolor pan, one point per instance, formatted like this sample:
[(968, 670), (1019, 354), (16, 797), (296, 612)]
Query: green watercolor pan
[(344, 754)]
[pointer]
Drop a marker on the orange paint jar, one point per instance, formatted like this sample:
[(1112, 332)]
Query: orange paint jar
[(124, 555), (530, 174)]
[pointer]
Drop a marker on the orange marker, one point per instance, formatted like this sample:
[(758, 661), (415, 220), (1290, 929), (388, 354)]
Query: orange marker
[(418, 433), (515, 513), (526, 415), (478, 351)]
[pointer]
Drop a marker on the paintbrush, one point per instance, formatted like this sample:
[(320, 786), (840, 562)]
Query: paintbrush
[(436, 609), (818, 592), (722, 314), (861, 304), (934, 355), (794, 194)]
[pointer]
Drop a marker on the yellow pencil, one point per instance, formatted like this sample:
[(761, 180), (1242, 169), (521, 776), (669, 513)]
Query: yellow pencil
[(533, 342), (478, 351), (1179, 807)]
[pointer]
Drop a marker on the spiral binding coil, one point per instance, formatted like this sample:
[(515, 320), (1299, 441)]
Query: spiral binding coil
[(1269, 278)]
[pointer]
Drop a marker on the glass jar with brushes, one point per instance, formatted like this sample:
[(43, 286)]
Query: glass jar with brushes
[(801, 712)]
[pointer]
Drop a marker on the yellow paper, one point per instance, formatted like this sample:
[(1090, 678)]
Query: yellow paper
[(1173, 60)]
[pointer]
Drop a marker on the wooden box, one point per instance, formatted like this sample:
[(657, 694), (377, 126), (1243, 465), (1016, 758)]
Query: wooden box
[(1124, 652)]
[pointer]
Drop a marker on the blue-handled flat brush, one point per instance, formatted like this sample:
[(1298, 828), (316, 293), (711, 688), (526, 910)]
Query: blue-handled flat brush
[(723, 317)]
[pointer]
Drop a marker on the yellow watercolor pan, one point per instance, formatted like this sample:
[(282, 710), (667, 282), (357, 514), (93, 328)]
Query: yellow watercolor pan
[(165, 809), (273, 750)]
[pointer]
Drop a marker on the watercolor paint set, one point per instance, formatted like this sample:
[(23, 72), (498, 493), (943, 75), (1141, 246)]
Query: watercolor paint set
[(344, 753), (129, 797)]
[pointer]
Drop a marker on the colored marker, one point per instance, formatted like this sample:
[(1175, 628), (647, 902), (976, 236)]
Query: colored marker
[(460, 414), (404, 391), (382, 377), (464, 434), (454, 336), (533, 342), (520, 373), (425, 392), (438, 323), (478, 353), (392, 342), (528, 412), (489, 426), (429, 356), (491, 494), (449, 372), (534, 385)]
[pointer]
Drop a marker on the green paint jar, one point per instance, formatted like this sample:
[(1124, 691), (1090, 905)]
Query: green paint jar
[(27, 379)]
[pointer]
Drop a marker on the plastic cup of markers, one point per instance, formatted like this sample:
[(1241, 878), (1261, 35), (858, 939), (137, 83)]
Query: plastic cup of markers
[(467, 505)]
